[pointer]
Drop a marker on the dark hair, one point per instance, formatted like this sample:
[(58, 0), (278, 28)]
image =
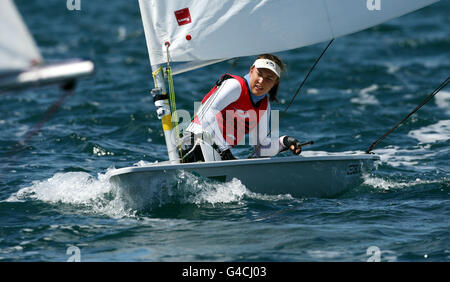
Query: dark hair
[(273, 92)]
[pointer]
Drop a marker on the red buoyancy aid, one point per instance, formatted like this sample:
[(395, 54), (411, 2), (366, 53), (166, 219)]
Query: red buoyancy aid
[(239, 117)]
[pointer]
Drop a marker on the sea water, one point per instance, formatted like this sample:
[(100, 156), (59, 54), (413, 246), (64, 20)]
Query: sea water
[(56, 203)]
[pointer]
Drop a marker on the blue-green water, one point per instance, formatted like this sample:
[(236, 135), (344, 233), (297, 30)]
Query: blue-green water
[(54, 193)]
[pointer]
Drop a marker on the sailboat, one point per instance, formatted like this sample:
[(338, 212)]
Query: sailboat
[(21, 64), (203, 32)]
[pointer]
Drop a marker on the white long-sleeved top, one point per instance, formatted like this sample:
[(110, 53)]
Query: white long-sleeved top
[(227, 93)]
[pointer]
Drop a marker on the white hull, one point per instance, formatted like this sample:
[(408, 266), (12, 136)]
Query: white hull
[(46, 74), (317, 176)]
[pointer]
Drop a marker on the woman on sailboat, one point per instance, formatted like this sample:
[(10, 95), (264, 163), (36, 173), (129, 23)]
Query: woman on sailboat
[(236, 106)]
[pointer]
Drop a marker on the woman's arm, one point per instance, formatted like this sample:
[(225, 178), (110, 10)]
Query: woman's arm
[(267, 145)]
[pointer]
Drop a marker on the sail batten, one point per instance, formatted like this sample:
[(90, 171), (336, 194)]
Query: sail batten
[(206, 30)]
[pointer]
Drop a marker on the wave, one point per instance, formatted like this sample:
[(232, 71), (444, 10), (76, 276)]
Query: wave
[(442, 100), (411, 157), (96, 195), (438, 132), (89, 194), (364, 98), (387, 184)]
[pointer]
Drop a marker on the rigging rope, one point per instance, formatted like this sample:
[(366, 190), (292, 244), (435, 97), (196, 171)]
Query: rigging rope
[(428, 98), (306, 78)]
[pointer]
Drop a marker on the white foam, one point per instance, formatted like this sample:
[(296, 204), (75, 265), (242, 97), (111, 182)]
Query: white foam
[(316, 254), (394, 156), (439, 132), (200, 191), (121, 33), (442, 100), (95, 195), (392, 68), (380, 183), (97, 150), (312, 91), (271, 198), (364, 98)]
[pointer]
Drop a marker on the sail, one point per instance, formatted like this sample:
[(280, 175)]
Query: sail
[(185, 67), (203, 30), (17, 48)]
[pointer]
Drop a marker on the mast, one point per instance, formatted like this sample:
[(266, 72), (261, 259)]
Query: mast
[(161, 100), (159, 92)]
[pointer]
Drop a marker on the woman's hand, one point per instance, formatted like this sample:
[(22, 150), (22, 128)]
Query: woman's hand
[(292, 144), (227, 155)]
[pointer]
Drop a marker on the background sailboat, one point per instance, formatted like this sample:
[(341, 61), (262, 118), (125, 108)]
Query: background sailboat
[(204, 31), (21, 64)]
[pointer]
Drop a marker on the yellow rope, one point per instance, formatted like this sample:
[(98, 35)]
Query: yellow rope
[(173, 107), (154, 74)]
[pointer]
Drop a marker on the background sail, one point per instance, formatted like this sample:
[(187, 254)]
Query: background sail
[(17, 48), (215, 29)]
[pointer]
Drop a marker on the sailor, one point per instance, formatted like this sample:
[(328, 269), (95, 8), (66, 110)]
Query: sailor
[(236, 106)]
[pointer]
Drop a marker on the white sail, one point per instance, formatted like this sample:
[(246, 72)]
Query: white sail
[(201, 30), (185, 67), (17, 48)]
